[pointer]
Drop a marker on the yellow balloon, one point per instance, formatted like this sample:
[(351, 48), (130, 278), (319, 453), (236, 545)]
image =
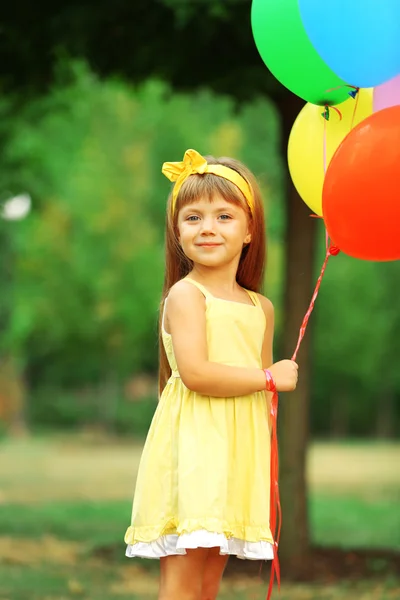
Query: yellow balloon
[(313, 137)]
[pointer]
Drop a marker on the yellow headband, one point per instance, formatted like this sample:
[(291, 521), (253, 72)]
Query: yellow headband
[(193, 163)]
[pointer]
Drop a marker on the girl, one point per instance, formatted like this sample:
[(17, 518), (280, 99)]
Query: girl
[(203, 485)]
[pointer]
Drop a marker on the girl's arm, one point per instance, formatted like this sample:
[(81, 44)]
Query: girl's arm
[(187, 324), (267, 349)]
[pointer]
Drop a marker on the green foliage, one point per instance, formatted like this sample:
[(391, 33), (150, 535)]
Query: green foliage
[(210, 9), (187, 43), (88, 262), (356, 343), (52, 408), (83, 273)]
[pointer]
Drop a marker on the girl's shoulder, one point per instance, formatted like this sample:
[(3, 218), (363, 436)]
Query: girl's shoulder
[(185, 290), (184, 298), (183, 302)]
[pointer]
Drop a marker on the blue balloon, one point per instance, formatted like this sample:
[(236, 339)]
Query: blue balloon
[(358, 39)]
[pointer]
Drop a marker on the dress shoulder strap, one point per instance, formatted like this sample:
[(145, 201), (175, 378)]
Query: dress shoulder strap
[(201, 287), (254, 297), (163, 317)]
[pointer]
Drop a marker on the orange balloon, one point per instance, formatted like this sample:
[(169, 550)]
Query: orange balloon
[(361, 193)]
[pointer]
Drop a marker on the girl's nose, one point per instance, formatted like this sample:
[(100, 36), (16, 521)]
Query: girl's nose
[(207, 226)]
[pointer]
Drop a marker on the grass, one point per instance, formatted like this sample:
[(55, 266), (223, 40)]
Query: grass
[(95, 582), (353, 522), (64, 499), (345, 522)]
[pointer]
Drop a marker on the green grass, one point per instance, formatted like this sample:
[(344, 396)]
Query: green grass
[(56, 582), (353, 522), (347, 522), (62, 521), (106, 583), (97, 523), (342, 521)]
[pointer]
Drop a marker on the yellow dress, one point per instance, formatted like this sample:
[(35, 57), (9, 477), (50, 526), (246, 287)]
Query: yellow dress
[(204, 475)]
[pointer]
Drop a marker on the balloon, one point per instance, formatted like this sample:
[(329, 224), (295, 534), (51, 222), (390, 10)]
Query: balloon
[(360, 201), (288, 53), (312, 138), (358, 39), (387, 94)]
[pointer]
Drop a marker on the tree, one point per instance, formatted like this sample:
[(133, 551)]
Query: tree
[(191, 44)]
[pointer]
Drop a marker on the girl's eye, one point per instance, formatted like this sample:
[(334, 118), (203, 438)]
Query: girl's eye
[(194, 218)]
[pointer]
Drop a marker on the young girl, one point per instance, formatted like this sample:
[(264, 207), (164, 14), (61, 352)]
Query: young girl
[(203, 487)]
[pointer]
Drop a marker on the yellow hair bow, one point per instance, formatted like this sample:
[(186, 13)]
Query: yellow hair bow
[(194, 163)]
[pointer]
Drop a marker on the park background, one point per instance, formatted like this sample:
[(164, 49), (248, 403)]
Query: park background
[(90, 109)]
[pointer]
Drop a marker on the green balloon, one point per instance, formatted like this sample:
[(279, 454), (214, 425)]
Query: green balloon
[(285, 48)]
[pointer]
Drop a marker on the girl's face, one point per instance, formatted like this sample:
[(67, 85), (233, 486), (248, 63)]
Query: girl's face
[(213, 233)]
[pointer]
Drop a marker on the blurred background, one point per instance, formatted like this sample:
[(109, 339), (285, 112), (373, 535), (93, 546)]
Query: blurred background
[(90, 109)]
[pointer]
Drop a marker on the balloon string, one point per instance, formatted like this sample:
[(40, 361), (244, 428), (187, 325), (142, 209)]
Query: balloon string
[(330, 251), (355, 110), (337, 111), (326, 113), (339, 87), (275, 502), (324, 147)]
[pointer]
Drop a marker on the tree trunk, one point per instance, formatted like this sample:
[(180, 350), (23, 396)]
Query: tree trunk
[(12, 398), (386, 415), (339, 415), (12, 385), (294, 407)]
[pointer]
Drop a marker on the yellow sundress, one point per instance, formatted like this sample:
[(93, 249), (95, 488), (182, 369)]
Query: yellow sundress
[(204, 475)]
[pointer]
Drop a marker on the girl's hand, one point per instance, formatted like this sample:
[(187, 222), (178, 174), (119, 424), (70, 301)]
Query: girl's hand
[(285, 374)]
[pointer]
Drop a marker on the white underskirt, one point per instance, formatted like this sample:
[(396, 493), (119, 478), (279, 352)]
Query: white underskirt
[(172, 544)]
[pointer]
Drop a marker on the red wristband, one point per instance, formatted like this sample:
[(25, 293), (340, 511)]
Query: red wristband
[(270, 384)]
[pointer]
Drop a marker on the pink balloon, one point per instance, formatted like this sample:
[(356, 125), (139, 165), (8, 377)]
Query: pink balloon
[(387, 94)]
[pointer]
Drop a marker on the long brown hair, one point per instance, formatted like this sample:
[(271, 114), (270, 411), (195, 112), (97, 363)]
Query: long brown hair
[(250, 273)]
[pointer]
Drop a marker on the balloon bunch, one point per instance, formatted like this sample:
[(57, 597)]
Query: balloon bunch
[(343, 59), (344, 148)]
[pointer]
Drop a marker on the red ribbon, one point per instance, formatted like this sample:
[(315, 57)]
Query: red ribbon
[(339, 87), (275, 502), (330, 251)]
